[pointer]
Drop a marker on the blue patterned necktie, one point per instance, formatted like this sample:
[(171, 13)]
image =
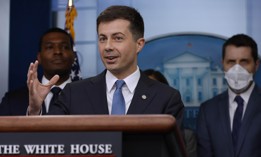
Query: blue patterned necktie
[(118, 102), (55, 91), (237, 119)]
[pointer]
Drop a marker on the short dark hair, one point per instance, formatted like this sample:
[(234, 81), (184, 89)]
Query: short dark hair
[(55, 30), (126, 13), (157, 75), (240, 40)]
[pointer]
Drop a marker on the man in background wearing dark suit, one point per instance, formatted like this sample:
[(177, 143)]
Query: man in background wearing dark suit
[(229, 124), (56, 56), (120, 38)]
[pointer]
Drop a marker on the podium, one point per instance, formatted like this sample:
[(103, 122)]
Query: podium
[(91, 136)]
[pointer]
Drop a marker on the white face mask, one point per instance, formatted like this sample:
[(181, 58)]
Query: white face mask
[(238, 78)]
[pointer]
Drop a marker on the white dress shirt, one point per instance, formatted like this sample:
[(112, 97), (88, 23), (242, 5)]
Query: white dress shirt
[(233, 104), (128, 88), (50, 94)]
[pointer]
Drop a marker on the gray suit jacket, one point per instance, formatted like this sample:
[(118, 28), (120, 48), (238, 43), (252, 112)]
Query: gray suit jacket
[(214, 133), (88, 96)]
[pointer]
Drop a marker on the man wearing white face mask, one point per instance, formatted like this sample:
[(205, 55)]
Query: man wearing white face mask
[(238, 78), (229, 124)]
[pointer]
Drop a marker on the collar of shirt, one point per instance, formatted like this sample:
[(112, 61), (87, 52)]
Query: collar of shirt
[(50, 94), (46, 81), (131, 81), (233, 105), (245, 95), (127, 90)]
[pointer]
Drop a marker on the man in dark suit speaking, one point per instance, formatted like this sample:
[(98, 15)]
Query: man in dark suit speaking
[(120, 38), (229, 125)]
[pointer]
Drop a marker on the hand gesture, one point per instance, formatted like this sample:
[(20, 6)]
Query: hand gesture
[(37, 91)]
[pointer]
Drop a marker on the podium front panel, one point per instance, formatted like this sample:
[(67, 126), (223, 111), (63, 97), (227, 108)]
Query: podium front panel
[(100, 144)]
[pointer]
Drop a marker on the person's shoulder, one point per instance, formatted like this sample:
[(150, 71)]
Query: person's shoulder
[(214, 100), (87, 81), (166, 87), (158, 86), (17, 100), (19, 91), (257, 88)]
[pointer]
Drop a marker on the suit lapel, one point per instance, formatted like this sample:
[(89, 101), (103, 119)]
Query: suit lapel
[(142, 96), (43, 109), (250, 113), (225, 119), (97, 93)]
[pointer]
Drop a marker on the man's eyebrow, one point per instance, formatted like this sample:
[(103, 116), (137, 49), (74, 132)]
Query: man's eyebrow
[(230, 60), (54, 42), (244, 59), (117, 33), (101, 35)]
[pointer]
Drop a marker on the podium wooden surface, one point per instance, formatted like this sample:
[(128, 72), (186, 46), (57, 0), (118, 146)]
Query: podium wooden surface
[(129, 124)]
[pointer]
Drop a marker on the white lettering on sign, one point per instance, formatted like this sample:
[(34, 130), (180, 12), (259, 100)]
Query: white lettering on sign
[(91, 149), (45, 149), (9, 149)]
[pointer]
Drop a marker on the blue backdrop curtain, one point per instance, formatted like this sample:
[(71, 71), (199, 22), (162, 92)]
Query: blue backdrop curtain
[(28, 20)]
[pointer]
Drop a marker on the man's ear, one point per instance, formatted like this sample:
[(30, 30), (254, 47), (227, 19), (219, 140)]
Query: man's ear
[(140, 44), (257, 64), (74, 56), (222, 64), (39, 57)]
